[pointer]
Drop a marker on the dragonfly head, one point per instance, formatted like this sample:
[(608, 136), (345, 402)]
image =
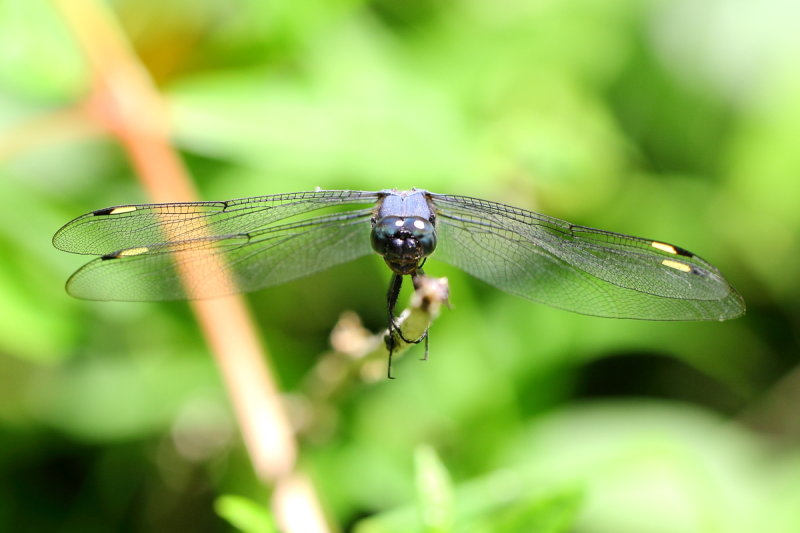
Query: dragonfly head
[(403, 241)]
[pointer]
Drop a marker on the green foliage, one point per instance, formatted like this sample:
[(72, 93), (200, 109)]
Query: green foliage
[(434, 491), (676, 120), (497, 504), (245, 514), (555, 514)]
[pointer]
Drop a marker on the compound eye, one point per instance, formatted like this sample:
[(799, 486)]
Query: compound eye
[(384, 231), (388, 227), (418, 226), (423, 231)]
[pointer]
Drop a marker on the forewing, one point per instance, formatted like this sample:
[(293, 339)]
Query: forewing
[(108, 230), (578, 268), (222, 265)]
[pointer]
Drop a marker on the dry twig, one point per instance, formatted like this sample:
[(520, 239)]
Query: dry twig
[(125, 103)]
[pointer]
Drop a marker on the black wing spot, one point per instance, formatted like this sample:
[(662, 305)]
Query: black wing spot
[(698, 271)]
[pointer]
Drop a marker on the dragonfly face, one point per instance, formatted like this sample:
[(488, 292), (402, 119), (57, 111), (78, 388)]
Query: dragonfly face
[(144, 251), (403, 231), (403, 242)]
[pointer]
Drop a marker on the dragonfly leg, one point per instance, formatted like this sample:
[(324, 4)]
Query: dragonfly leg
[(392, 295), (391, 301), (389, 366), (426, 337), (393, 329)]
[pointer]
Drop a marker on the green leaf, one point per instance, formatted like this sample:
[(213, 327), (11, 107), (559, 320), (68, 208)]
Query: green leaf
[(434, 490), (553, 514), (245, 515)]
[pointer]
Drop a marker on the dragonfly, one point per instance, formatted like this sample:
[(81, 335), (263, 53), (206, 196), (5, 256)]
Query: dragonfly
[(147, 252)]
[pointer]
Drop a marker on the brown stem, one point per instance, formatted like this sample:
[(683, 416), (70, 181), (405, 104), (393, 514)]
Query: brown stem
[(125, 102)]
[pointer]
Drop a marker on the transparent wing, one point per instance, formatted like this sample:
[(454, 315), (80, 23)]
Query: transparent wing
[(106, 231), (578, 268), (221, 265)]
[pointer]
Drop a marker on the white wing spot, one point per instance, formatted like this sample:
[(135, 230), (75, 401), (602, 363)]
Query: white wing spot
[(133, 251), (677, 265), (123, 209), (664, 247)]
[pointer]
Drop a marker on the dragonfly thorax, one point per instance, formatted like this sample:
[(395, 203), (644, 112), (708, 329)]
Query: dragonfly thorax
[(403, 241)]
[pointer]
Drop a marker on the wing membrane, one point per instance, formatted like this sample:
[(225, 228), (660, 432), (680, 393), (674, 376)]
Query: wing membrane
[(221, 265), (578, 268), (108, 230)]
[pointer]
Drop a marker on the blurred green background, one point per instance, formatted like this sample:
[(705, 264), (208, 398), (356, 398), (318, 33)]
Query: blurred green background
[(671, 119)]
